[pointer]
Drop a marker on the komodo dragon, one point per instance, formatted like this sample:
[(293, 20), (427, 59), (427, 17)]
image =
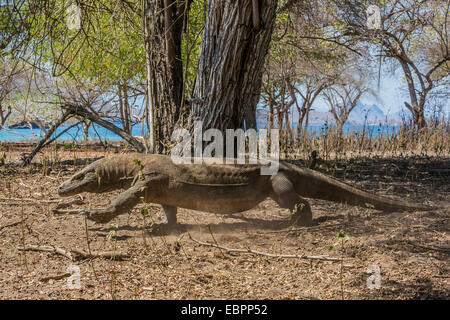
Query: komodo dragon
[(224, 188)]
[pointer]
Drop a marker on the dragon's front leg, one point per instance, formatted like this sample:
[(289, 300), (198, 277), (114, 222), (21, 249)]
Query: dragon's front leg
[(126, 201)]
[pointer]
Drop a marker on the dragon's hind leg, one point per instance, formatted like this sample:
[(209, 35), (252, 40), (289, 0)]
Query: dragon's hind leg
[(170, 222), (284, 194), (171, 214)]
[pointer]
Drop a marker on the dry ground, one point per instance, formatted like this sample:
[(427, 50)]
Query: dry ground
[(412, 249)]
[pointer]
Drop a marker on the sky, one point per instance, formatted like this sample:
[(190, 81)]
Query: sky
[(390, 97)]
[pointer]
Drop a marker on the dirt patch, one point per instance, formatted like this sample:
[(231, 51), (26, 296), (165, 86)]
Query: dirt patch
[(411, 249)]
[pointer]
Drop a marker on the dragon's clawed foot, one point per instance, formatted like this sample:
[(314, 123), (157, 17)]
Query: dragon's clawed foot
[(98, 216), (302, 221), (303, 217)]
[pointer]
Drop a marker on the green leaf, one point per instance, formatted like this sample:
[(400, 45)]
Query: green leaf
[(342, 236)]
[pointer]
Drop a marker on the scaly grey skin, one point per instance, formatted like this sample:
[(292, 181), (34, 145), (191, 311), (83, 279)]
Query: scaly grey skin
[(221, 189)]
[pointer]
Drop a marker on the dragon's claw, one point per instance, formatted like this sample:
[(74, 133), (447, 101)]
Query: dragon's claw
[(99, 217)]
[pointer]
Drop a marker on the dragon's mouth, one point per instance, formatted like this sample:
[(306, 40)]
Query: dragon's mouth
[(66, 191), (77, 185)]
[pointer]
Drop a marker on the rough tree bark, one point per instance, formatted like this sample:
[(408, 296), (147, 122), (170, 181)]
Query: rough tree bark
[(417, 106), (233, 49), (4, 115), (124, 108), (163, 27)]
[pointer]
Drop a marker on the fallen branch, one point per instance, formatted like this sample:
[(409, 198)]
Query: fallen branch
[(75, 255), (46, 143), (62, 205), (55, 277), (272, 255), (29, 200), (105, 255), (52, 249), (12, 224), (26, 160), (442, 249), (68, 211), (85, 113), (16, 203)]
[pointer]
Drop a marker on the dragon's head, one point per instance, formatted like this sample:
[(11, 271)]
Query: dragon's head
[(85, 180)]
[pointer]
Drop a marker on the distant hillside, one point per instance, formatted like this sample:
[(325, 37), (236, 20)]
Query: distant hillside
[(366, 114), (369, 114)]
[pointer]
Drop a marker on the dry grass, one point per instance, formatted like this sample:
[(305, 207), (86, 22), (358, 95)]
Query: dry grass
[(432, 141)]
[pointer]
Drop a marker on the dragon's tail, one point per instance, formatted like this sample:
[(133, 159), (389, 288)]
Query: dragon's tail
[(318, 186)]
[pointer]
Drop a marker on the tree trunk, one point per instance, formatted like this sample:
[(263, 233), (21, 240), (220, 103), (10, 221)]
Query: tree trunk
[(279, 118), (126, 110), (233, 49), (250, 118), (305, 131), (271, 115), (163, 28), (340, 128), (86, 124), (4, 116), (418, 115), (122, 115), (301, 117), (149, 110), (288, 127), (173, 26), (416, 108)]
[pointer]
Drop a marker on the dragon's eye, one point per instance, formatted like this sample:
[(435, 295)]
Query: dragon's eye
[(78, 177)]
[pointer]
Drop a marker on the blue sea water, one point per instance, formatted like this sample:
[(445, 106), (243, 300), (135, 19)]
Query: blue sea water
[(73, 134), (96, 132)]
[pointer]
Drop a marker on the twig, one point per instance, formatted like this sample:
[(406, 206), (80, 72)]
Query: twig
[(22, 224), (12, 224), (29, 200), (13, 203), (75, 255), (212, 236), (105, 255), (52, 249), (55, 277), (89, 247), (250, 251), (68, 211), (446, 250), (62, 205), (301, 229)]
